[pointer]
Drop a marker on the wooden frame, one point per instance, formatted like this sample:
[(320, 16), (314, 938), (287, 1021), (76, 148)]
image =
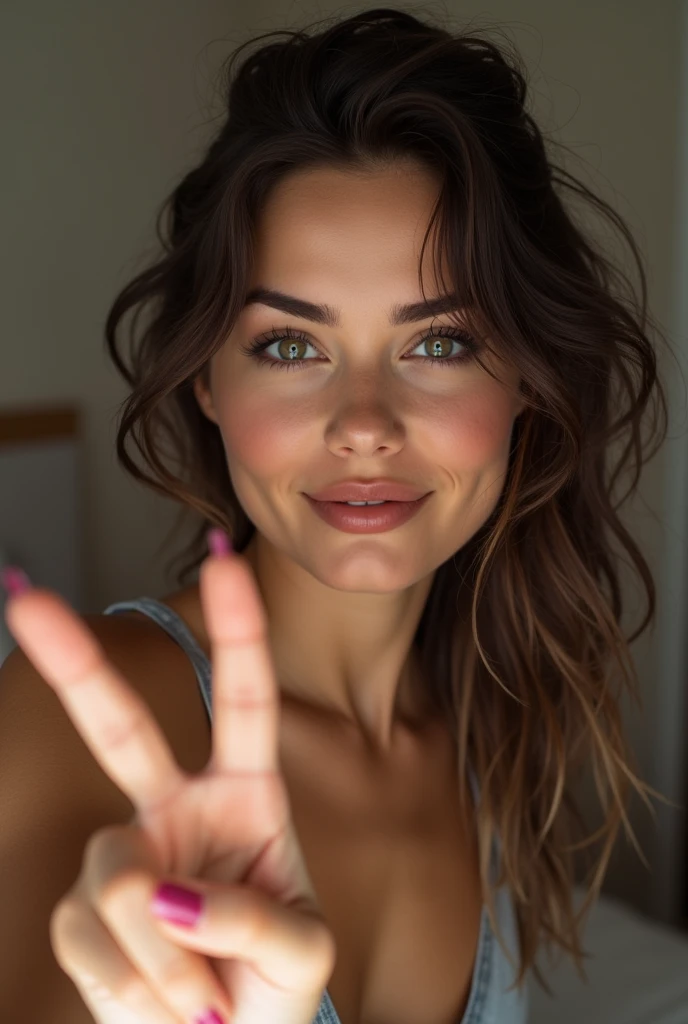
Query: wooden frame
[(49, 423)]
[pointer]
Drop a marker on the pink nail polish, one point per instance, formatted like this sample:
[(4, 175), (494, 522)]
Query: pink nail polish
[(218, 542), (14, 580), (178, 905), (209, 1017)]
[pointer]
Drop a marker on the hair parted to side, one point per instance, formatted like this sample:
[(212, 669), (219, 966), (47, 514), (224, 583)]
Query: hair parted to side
[(520, 638)]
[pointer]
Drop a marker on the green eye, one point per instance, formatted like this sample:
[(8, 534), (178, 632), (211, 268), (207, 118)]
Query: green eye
[(454, 335)]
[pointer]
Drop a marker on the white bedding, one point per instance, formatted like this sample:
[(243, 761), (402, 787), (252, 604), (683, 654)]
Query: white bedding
[(637, 973)]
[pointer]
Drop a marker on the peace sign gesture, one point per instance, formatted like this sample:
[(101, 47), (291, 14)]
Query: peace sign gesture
[(261, 950)]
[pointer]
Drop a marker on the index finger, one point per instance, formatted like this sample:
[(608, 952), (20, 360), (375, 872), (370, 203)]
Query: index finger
[(114, 722), (245, 696)]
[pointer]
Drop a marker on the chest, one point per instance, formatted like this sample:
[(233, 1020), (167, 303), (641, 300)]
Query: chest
[(397, 877)]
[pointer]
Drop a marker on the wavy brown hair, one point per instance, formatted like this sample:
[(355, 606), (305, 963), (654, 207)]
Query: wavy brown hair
[(520, 638)]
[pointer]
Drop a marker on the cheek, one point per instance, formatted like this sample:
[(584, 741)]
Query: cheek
[(470, 440), (264, 435), (471, 432)]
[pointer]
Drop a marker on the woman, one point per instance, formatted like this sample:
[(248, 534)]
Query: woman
[(371, 291)]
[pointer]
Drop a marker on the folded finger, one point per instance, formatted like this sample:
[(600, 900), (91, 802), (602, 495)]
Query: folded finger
[(291, 946), (104, 977), (116, 883)]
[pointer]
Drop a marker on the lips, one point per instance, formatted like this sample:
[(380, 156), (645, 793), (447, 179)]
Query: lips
[(370, 519)]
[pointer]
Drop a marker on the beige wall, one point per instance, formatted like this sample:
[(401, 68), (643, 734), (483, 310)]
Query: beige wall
[(106, 104)]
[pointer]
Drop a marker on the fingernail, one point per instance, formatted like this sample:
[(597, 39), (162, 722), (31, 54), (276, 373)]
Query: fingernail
[(219, 542), (178, 905), (209, 1017), (14, 580)]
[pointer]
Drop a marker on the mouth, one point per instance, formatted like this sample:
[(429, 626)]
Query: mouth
[(376, 518)]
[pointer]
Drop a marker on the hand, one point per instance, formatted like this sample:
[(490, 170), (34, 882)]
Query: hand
[(262, 951)]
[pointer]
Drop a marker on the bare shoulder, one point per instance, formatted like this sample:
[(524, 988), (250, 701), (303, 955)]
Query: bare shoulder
[(161, 672), (148, 660)]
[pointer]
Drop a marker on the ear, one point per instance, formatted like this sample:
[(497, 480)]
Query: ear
[(204, 399)]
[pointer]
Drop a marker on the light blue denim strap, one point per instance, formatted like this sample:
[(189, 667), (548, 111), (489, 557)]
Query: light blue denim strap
[(482, 975), (326, 1012), (175, 626)]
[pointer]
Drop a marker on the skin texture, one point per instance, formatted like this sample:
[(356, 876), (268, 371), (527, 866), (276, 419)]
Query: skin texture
[(343, 608)]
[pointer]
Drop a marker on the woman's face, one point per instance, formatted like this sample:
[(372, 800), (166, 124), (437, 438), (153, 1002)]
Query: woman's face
[(358, 401)]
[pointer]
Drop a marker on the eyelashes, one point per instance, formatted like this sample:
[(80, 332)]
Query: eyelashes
[(454, 334)]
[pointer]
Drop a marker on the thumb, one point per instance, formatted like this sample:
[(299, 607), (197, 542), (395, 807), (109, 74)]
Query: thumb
[(291, 945)]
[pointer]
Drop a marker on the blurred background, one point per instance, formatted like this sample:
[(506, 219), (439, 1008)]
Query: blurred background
[(104, 106)]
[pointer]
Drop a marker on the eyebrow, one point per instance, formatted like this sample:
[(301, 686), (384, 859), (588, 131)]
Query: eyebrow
[(411, 313)]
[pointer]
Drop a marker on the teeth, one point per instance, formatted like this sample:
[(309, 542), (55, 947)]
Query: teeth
[(364, 503)]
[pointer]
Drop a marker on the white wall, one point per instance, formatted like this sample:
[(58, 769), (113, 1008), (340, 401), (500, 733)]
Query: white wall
[(105, 105)]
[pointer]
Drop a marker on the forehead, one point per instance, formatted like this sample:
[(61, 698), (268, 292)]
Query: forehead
[(337, 201), (343, 234)]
